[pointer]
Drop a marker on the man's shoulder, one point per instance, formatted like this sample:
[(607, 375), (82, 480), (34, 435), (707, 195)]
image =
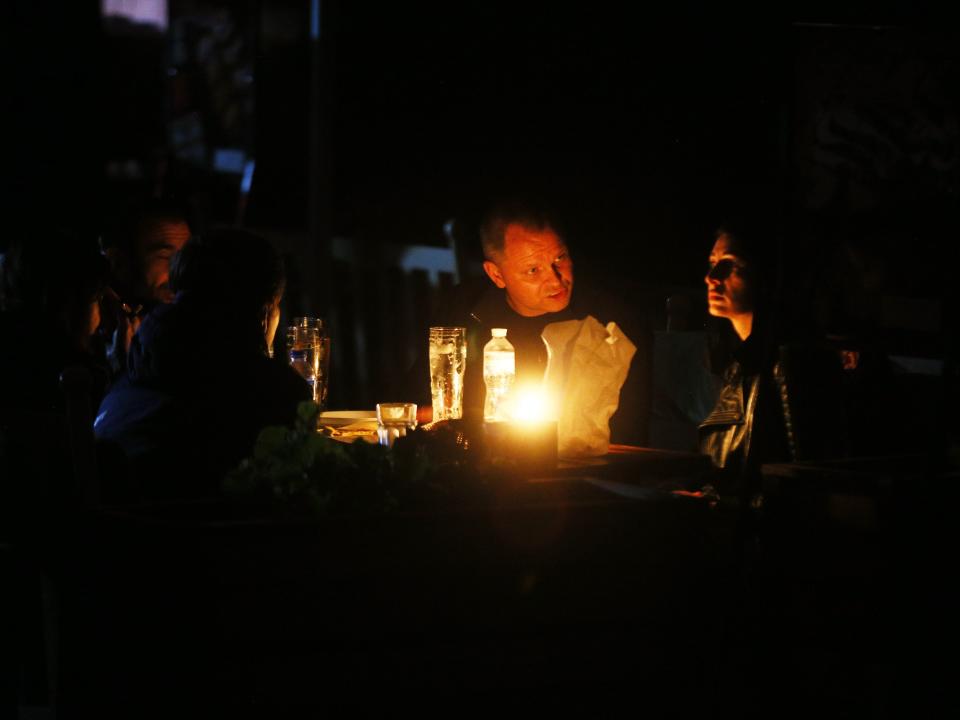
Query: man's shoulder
[(490, 307), (605, 305), (478, 303), (456, 307)]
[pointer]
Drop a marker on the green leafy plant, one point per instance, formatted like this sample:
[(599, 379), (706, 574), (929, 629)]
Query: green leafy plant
[(297, 465)]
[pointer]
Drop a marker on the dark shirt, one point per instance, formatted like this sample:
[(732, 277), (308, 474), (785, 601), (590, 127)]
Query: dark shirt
[(481, 309), (492, 311), (193, 400)]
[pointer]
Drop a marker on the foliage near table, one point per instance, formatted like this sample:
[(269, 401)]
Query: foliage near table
[(298, 466)]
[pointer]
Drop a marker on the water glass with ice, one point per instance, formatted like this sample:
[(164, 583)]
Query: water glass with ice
[(448, 362)]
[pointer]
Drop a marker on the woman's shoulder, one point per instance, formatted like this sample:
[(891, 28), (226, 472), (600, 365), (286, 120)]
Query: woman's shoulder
[(278, 376)]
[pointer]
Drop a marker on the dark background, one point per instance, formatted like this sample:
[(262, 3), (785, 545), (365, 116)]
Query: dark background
[(642, 126)]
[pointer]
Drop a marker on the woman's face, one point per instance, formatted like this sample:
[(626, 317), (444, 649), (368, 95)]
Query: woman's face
[(729, 291), (80, 324), (93, 318), (271, 321)]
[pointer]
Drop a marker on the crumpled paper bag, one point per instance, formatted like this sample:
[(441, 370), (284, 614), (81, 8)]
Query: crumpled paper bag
[(586, 367)]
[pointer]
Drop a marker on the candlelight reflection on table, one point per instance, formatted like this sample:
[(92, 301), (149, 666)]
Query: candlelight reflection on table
[(529, 439)]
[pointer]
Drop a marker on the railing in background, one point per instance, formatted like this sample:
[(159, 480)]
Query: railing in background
[(378, 307), (384, 297)]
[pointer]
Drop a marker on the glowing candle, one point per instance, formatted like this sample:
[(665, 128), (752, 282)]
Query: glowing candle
[(531, 405)]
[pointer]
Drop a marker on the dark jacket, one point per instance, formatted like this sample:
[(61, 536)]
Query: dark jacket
[(746, 426), (194, 398)]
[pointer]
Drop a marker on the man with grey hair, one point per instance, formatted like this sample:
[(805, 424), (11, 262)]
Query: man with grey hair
[(526, 257)]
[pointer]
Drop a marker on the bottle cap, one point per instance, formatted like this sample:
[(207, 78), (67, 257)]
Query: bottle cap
[(498, 332)]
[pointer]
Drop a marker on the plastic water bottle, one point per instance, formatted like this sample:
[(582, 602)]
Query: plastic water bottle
[(499, 371)]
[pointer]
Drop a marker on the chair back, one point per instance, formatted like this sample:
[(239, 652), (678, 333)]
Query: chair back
[(384, 297), (809, 379)]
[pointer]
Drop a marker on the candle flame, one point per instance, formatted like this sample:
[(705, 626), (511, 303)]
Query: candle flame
[(531, 404)]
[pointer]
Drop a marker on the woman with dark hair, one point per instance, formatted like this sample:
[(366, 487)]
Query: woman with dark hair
[(199, 384), (746, 426), (51, 284)]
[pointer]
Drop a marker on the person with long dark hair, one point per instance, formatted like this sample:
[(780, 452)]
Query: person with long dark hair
[(746, 426)]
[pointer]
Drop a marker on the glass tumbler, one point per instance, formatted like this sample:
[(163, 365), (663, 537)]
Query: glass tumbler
[(448, 362), (394, 420), (308, 352)]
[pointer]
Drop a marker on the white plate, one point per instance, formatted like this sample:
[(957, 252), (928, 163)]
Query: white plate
[(336, 418)]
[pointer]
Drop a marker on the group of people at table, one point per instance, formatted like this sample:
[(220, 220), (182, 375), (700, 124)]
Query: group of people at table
[(186, 381)]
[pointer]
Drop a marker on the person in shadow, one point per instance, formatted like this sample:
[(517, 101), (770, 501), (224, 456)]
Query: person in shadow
[(51, 285), (199, 384)]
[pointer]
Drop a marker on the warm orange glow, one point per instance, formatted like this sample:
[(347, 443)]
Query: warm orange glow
[(531, 404), (850, 359)]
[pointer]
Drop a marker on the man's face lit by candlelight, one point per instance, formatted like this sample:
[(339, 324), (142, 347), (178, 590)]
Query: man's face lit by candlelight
[(157, 242), (534, 268)]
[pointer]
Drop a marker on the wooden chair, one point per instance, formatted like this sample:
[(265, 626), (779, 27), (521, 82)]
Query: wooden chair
[(684, 383), (809, 378)]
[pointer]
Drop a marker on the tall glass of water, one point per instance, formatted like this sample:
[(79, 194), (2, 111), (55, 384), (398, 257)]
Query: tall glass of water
[(308, 351), (448, 361)]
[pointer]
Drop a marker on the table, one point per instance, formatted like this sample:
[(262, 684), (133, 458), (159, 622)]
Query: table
[(571, 577)]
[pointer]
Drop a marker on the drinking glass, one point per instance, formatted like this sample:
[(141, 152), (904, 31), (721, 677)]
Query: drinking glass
[(308, 352), (448, 361), (393, 421)]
